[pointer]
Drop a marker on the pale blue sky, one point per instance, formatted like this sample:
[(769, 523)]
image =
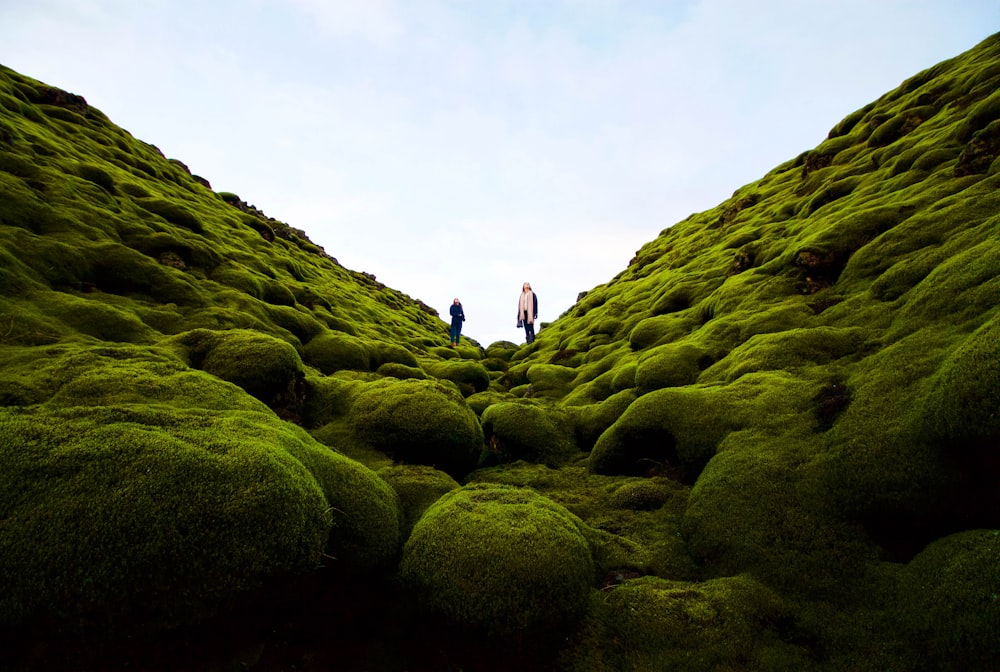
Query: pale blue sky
[(462, 147)]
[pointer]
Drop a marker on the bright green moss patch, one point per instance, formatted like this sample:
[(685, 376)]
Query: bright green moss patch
[(659, 329), (788, 350), (499, 558), (671, 365), (469, 376), (334, 352), (550, 380), (102, 320)]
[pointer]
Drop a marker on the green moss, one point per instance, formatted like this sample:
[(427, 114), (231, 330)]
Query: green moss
[(788, 350), (671, 365), (642, 495), (499, 558), (141, 511), (471, 377), (950, 602), (550, 380), (365, 512), (758, 508), (418, 487), (655, 624), (336, 352), (960, 409), (383, 352), (401, 371), (659, 329), (419, 422), (173, 213), (94, 317), (264, 366), (521, 430)]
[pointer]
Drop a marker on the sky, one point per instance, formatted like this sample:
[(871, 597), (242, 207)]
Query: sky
[(458, 148)]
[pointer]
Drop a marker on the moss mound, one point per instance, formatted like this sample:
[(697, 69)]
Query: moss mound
[(138, 511), (266, 367), (656, 624), (950, 601), (419, 422), (500, 558), (522, 430), (417, 487)]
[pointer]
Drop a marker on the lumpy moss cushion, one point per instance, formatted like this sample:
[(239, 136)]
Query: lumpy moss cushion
[(499, 558), (149, 510)]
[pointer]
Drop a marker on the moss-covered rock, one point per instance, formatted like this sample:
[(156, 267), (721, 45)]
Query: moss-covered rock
[(550, 380), (419, 422), (501, 559), (522, 430), (671, 365), (401, 371), (758, 508), (334, 351), (417, 487), (651, 623), (266, 367), (127, 511), (367, 518), (469, 376)]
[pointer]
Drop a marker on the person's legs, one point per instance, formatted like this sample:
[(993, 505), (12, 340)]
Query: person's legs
[(454, 334), (529, 332)]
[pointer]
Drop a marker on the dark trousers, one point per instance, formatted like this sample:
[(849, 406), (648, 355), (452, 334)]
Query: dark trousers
[(456, 330), (529, 329)]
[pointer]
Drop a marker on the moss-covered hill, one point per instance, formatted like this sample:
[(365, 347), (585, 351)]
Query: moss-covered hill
[(769, 443)]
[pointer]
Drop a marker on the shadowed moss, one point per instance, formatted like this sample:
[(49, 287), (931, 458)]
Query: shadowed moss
[(758, 508), (365, 511), (592, 420), (417, 487), (950, 601), (499, 558), (656, 624)]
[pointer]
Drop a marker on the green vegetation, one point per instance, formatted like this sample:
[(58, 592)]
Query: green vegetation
[(768, 443)]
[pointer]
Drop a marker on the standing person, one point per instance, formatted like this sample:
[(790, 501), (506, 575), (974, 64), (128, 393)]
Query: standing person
[(457, 317), (527, 312)]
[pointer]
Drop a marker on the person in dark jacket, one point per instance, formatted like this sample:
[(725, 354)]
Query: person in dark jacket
[(527, 312), (457, 317)]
